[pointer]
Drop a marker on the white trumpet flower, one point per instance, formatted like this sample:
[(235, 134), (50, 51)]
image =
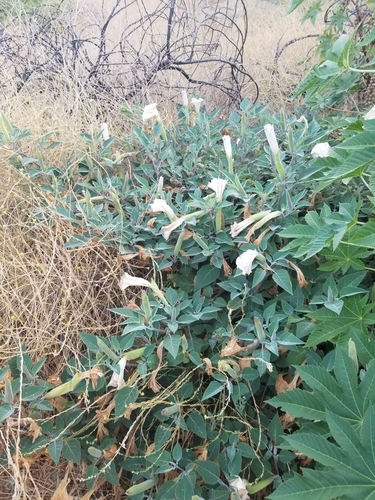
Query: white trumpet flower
[(128, 280), (185, 100), (245, 261), (227, 145), (370, 115), (218, 185), (238, 227), (167, 230), (321, 150), (162, 206), (271, 138), (197, 103), (117, 379), (104, 131), (150, 111)]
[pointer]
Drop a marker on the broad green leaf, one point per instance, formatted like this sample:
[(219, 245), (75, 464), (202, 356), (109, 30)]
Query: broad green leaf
[(172, 344), (166, 491), (300, 403), (296, 231), (162, 435), (318, 448), (54, 450), (124, 398), (197, 424), (209, 471), (184, 489), (206, 275), (213, 389), (355, 314), (6, 411), (71, 450), (368, 432), (109, 472), (294, 5), (91, 476), (282, 278), (32, 392)]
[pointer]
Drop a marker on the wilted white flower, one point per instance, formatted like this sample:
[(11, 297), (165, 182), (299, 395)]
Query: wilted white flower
[(167, 230), (105, 132), (370, 115), (271, 138), (321, 150), (240, 487), (128, 280), (238, 227), (160, 184), (185, 100), (302, 119), (227, 145), (197, 103), (117, 379), (218, 185), (150, 111), (162, 206), (245, 261)]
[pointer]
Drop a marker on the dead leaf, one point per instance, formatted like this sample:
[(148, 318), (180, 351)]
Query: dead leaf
[(150, 449), (281, 385), (208, 369), (287, 420), (258, 241), (94, 374), (187, 234), (201, 453), (231, 348), (99, 482), (61, 492), (111, 452), (54, 379), (247, 212), (171, 475), (300, 276), (245, 362), (151, 222), (142, 252), (34, 430), (131, 304), (227, 269), (59, 403), (153, 385)]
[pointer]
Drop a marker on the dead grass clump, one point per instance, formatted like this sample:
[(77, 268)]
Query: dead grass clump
[(48, 293)]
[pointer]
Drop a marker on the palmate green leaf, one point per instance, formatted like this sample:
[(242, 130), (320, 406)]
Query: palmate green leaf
[(355, 314), (363, 236), (367, 386), (364, 344), (346, 376), (300, 404), (344, 258), (324, 485), (368, 432)]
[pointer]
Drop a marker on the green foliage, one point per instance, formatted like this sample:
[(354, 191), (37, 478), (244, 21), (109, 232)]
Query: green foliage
[(238, 284), (340, 438)]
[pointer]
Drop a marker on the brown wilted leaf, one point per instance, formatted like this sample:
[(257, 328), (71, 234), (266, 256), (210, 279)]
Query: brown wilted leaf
[(258, 241), (281, 385), (99, 482), (61, 492), (227, 269), (208, 369), (151, 222), (274, 290), (142, 252), (201, 453), (245, 362), (150, 449), (54, 379), (94, 374), (127, 256), (187, 234), (247, 212), (231, 348), (153, 385), (34, 430), (304, 460), (171, 475), (131, 304), (59, 403), (111, 452), (286, 420), (300, 276)]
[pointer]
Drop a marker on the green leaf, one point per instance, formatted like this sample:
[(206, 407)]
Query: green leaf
[(166, 491), (91, 476), (318, 448), (71, 450), (346, 376), (32, 392), (109, 473), (209, 471), (354, 314), (124, 398), (205, 276), (213, 389), (6, 411), (294, 5), (300, 403), (281, 277), (162, 435), (54, 450), (197, 424), (184, 489), (172, 344), (363, 236)]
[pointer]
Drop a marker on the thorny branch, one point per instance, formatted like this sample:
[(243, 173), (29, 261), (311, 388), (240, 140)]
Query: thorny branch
[(127, 49)]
